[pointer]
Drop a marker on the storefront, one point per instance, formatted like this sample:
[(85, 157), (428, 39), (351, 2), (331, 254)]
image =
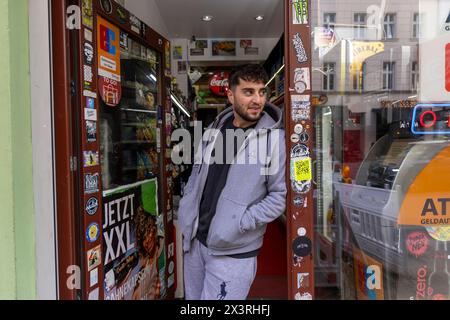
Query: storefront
[(366, 99)]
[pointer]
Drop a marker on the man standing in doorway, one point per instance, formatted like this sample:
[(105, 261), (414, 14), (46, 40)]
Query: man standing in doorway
[(228, 202)]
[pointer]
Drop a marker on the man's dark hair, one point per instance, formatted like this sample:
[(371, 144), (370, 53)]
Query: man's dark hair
[(248, 72)]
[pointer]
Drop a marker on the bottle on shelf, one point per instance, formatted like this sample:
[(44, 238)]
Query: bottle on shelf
[(439, 280)]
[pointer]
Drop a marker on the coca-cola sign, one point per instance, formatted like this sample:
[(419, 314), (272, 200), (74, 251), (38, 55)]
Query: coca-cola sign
[(219, 84)]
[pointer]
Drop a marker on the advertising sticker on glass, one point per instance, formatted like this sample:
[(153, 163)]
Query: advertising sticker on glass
[(133, 244)]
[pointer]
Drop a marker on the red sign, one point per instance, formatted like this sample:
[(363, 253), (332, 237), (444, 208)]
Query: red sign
[(110, 91), (417, 243), (219, 84)]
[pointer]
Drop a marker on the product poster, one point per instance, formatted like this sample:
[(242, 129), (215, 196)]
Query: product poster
[(134, 258)]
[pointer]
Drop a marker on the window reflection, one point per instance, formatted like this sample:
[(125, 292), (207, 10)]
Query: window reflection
[(381, 163)]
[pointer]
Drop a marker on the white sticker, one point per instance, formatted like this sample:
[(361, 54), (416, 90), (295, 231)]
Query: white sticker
[(88, 35), (299, 49), (300, 108), (302, 280), (295, 138), (302, 80), (109, 75), (88, 75), (94, 277), (89, 94), (90, 114), (108, 63), (298, 129), (171, 267), (301, 232), (305, 296), (91, 183)]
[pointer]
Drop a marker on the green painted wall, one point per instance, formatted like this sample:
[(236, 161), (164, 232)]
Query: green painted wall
[(17, 245)]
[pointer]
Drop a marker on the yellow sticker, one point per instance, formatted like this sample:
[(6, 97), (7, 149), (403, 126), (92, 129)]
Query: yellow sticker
[(302, 169)]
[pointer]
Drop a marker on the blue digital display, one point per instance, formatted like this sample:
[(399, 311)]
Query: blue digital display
[(431, 118)]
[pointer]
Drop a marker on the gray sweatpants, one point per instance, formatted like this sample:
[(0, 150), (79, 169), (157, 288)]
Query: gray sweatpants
[(209, 277)]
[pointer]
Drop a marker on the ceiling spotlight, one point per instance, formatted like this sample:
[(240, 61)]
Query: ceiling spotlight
[(207, 18), (259, 18)]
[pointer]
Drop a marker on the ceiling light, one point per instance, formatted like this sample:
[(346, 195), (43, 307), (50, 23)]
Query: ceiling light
[(259, 18), (207, 18)]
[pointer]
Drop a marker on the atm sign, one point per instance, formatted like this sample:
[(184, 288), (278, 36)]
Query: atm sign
[(432, 118)]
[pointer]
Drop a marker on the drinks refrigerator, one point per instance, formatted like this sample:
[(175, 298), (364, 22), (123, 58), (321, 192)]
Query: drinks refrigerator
[(115, 212)]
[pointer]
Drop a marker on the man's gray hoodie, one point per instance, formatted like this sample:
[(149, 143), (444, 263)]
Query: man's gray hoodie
[(254, 194)]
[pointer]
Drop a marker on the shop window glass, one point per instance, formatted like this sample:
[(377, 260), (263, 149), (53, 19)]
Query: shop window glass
[(128, 132), (359, 21), (389, 26), (381, 154), (388, 75)]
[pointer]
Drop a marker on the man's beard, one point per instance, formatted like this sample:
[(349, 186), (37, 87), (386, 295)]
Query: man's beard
[(246, 117)]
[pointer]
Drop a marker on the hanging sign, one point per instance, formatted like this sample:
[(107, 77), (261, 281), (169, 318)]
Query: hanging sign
[(219, 84), (108, 39)]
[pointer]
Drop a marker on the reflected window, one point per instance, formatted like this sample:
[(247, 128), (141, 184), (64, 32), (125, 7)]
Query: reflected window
[(358, 78), (414, 75), (388, 75), (329, 76), (359, 22), (389, 26), (381, 150), (329, 20), (416, 26)]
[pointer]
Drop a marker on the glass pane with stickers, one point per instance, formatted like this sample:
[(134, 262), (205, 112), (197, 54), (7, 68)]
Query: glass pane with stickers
[(129, 129), (382, 149)]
